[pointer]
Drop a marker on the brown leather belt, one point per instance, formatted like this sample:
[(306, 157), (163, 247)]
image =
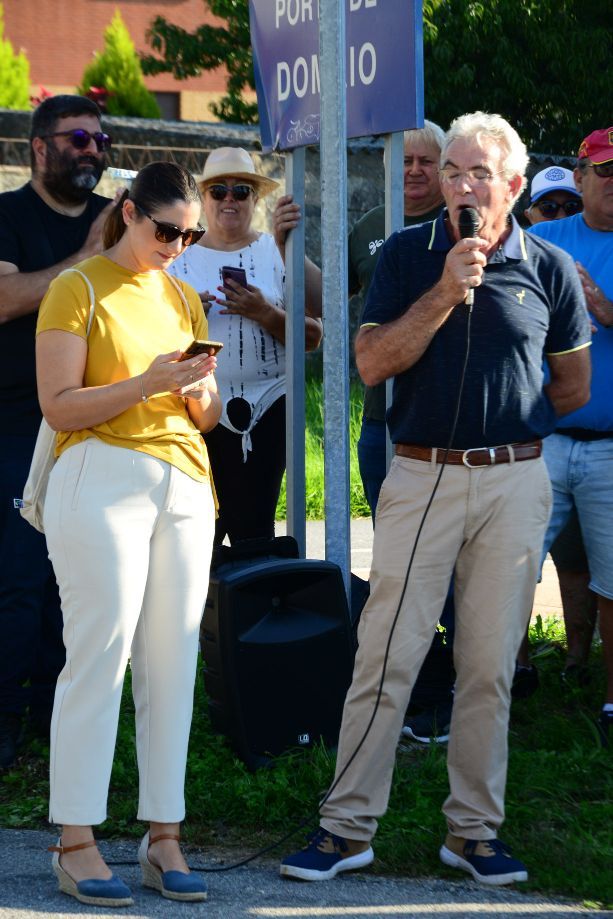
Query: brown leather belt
[(476, 456)]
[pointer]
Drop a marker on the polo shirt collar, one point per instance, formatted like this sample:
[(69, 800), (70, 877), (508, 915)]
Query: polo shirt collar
[(514, 246)]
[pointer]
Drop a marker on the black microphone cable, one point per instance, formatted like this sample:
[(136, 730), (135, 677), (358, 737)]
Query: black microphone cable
[(315, 814), (410, 565), (468, 226)]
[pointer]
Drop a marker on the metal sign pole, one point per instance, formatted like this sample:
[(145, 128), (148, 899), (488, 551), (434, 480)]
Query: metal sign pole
[(332, 53), (294, 355), (394, 220)]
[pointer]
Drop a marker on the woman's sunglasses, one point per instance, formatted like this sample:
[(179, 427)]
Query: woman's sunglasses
[(549, 209), (81, 139), (168, 232), (238, 192)]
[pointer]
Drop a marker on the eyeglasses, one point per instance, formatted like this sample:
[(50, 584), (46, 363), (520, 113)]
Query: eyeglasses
[(168, 232), (602, 170), (81, 139), (549, 209), (479, 175), (238, 192)]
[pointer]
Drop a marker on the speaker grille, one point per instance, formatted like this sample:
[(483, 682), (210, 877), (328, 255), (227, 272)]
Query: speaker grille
[(278, 654)]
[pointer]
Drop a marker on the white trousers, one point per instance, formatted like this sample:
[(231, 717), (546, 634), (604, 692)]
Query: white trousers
[(130, 539)]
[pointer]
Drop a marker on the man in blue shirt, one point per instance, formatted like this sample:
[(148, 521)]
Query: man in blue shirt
[(579, 454), (554, 196), (467, 490)]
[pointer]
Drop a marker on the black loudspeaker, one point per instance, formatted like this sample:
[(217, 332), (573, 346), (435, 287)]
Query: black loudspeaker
[(277, 645)]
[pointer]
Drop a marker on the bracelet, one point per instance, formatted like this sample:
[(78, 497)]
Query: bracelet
[(143, 397)]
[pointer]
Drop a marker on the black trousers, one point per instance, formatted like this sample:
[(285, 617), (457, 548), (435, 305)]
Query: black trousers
[(31, 647), (248, 492)]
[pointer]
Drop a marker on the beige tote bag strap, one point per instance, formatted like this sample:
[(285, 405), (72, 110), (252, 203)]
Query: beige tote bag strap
[(90, 291), (179, 290)]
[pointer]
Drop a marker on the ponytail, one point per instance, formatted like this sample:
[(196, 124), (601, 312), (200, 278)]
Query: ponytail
[(115, 226)]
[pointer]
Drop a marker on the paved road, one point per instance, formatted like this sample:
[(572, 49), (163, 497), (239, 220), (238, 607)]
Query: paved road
[(28, 891), (547, 602)]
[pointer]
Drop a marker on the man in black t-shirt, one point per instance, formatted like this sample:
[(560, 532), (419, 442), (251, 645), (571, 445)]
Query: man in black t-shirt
[(51, 223)]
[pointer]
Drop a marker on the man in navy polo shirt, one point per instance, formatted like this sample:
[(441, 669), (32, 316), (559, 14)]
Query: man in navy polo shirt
[(579, 454), (484, 503)]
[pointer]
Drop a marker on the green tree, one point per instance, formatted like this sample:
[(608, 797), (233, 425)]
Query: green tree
[(14, 74), (117, 70), (187, 54), (544, 65)]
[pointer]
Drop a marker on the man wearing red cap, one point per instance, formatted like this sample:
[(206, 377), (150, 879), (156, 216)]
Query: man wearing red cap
[(579, 454)]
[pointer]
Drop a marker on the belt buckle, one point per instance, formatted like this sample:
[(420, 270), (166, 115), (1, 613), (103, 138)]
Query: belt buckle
[(490, 450)]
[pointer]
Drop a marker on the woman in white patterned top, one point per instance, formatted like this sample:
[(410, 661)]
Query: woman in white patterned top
[(247, 449)]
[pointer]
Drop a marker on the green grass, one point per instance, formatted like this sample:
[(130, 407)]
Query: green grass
[(314, 454), (560, 789)]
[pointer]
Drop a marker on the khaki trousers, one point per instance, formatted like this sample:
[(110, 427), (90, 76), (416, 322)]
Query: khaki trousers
[(130, 539), (488, 524)]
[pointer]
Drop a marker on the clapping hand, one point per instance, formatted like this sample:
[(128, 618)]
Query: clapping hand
[(597, 301)]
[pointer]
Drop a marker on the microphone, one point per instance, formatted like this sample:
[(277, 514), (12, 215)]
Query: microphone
[(468, 223)]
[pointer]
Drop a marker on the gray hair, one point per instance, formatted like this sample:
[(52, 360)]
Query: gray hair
[(430, 134), (480, 125)]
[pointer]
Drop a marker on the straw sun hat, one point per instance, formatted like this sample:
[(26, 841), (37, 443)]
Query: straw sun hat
[(235, 162)]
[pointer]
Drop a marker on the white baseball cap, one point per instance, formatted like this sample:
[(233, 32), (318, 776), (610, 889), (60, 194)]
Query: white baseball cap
[(554, 178)]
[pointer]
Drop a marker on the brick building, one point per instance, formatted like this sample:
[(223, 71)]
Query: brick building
[(59, 38)]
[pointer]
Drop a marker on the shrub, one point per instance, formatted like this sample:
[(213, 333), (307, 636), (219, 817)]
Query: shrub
[(118, 71), (14, 74)]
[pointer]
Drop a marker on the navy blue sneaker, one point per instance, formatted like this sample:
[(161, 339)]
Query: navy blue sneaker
[(325, 855), (575, 676), (431, 726), (525, 681), (605, 727), (10, 738), (488, 860)]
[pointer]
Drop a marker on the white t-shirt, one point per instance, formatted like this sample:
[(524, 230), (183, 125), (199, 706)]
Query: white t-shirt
[(252, 363)]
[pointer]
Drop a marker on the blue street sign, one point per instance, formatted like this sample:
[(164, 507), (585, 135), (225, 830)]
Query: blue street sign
[(384, 68)]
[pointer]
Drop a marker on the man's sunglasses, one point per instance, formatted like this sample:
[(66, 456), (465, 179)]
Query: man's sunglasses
[(238, 192), (168, 232), (602, 170), (549, 209), (81, 139)]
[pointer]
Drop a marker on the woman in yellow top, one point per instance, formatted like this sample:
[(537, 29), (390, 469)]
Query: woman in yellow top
[(129, 520)]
